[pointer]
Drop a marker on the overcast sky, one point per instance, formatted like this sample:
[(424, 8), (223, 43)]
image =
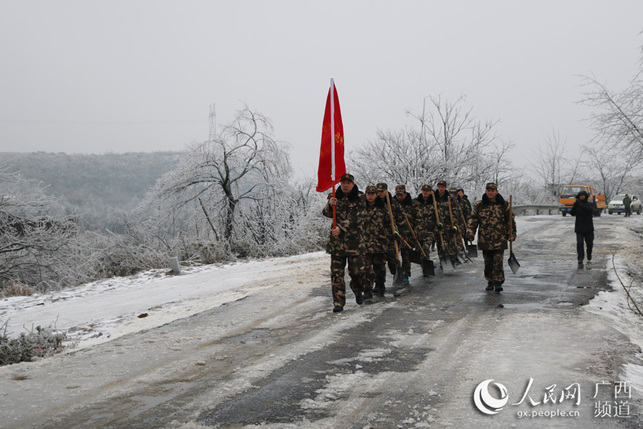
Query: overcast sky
[(128, 75)]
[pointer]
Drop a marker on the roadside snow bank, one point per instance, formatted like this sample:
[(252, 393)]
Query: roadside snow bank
[(624, 268), (102, 311)]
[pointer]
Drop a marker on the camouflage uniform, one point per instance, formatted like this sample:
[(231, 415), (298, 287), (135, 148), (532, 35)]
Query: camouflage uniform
[(465, 206), (375, 229), (347, 247), (450, 231), (408, 226), (391, 256), (426, 223), (491, 219)]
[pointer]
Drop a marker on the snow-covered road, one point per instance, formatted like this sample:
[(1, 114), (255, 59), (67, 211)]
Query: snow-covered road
[(256, 344)]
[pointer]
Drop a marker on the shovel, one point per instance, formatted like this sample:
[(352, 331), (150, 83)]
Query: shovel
[(428, 269), (445, 261), (472, 250), (398, 276), (513, 262), (458, 254)]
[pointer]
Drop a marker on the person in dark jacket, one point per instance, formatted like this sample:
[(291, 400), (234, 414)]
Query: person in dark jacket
[(627, 205), (584, 209)]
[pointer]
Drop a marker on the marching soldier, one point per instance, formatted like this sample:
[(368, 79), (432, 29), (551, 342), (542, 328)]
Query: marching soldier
[(375, 228), (345, 243), (426, 221), (491, 217), (391, 256), (448, 213), (465, 205), (408, 226)]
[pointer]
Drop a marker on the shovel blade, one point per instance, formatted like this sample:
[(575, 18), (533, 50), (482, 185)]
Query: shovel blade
[(513, 263), (428, 269), (446, 264), (472, 250), (399, 275)]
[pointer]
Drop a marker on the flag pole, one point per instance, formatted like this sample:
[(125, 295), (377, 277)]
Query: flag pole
[(332, 144)]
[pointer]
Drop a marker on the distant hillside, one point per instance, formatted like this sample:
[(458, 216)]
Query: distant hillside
[(101, 187)]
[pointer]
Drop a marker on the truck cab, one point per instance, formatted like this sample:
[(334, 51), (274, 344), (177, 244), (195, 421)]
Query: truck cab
[(567, 197)]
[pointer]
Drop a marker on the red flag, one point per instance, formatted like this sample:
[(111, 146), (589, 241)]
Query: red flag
[(331, 156)]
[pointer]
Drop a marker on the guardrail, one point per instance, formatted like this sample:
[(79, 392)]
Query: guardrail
[(522, 210)]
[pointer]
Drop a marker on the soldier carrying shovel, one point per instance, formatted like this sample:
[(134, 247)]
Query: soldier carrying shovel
[(492, 218)]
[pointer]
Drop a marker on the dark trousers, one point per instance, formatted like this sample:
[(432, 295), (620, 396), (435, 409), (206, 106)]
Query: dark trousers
[(583, 238)]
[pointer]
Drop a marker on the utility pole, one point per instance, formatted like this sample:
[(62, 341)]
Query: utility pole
[(213, 123)]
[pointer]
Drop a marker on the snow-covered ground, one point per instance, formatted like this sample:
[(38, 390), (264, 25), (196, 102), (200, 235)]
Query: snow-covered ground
[(102, 311)]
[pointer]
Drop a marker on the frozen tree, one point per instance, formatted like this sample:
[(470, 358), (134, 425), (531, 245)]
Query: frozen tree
[(229, 190), (37, 237), (614, 171), (617, 117), (448, 143), (552, 165)]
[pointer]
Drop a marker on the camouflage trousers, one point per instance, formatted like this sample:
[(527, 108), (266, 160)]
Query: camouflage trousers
[(375, 270), (357, 271), (450, 245), (493, 269)]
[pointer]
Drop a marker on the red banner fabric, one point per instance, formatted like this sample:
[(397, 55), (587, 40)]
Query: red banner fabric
[(330, 144)]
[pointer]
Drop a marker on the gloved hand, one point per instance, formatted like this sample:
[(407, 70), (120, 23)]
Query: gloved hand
[(396, 236), (455, 228), (440, 227)]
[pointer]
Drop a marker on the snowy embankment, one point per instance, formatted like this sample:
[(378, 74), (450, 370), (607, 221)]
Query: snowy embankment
[(102, 311), (624, 268)]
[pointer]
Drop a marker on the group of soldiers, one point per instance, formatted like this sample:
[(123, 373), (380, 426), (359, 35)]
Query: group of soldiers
[(371, 229)]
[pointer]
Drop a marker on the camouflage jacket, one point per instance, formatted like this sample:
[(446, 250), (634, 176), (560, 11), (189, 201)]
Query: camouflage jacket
[(491, 219), (443, 202), (408, 209), (374, 226), (398, 215), (465, 206), (426, 218), (349, 241)]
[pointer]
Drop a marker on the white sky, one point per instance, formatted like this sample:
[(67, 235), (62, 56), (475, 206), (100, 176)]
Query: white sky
[(129, 75)]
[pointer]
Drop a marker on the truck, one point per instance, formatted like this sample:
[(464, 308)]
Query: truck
[(567, 197)]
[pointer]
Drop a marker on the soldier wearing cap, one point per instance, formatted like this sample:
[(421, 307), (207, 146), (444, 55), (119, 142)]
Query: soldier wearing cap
[(426, 221), (345, 243), (465, 205), (391, 256), (490, 216), (408, 226), (375, 228), (448, 214)]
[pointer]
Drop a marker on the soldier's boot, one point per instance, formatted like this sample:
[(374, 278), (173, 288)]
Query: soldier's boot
[(380, 289), (368, 294), (580, 264), (498, 287), (359, 298), (338, 309), (490, 286)]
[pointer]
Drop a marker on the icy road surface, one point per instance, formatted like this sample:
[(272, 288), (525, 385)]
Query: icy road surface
[(256, 345)]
